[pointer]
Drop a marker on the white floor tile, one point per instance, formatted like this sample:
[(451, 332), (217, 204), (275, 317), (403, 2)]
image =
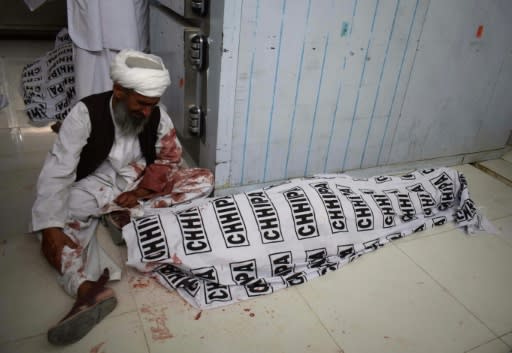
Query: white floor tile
[(504, 225), (15, 216), (507, 156), (4, 117), (495, 346), (23, 266), (22, 149), (383, 302), (18, 142), (281, 322), (501, 167), (31, 299), (18, 190), (507, 339), (126, 301), (123, 333), (475, 270)]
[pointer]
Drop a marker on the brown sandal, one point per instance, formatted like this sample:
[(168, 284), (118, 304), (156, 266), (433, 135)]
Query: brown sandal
[(84, 314)]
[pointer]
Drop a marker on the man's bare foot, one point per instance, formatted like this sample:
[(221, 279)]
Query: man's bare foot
[(94, 302)]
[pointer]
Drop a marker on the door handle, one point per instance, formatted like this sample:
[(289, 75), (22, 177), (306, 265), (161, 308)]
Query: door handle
[(199, 7), (195, 117), (198, 50)]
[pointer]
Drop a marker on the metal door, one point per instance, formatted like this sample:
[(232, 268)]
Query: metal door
[(180, 42)]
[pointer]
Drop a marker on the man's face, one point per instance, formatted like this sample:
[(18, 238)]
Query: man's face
[(140, 106), (132, 110)]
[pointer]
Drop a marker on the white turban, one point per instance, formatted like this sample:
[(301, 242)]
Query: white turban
[(144, 73)]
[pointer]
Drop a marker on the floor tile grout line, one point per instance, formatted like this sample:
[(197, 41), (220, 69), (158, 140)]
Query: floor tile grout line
[(448, 292), (319, 319), (158, 304), (502, 340), (483, 344), (19, 339), (148, 350), (16, 340), (134, 298), (505, 343), (146, 339), (496, 175), (506, 334)]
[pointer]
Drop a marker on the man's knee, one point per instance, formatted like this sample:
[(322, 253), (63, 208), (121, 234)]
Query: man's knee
[(81, 204)]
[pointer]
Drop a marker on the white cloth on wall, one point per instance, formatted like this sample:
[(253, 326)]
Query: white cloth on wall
[(92, 71), (115, 24), (49, 82), (99, 29)]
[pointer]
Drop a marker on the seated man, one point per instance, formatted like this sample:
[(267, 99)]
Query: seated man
[(116, 147)]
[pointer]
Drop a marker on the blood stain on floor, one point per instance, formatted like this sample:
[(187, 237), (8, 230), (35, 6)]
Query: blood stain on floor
[(137, 282), (157, 317), (96, 348)]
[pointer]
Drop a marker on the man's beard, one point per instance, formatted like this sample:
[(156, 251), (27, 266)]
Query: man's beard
[(129, 123)]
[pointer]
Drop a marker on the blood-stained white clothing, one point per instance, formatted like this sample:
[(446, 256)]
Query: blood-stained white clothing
[(99, 29), (75, 206), (122, 167)]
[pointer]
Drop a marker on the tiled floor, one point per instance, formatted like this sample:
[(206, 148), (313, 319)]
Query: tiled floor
[(438, 291)]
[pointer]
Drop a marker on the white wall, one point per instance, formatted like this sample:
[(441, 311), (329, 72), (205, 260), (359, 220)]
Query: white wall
[(312, 86)]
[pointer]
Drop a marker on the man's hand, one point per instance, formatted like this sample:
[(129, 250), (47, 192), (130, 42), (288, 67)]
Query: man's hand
[(130, 199), (54, 240)]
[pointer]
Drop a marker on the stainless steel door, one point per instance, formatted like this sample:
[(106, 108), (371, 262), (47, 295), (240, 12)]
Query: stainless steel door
[(183, 48), (190, 9)]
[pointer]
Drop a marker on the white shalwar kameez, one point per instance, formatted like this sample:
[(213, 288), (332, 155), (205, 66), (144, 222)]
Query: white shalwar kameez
[(75, 206), (99, 29)]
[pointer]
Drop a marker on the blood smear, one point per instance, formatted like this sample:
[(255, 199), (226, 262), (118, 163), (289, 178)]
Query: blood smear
[(480, 31)]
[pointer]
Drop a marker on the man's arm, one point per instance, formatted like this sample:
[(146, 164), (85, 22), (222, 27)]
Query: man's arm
[(59, 170), (49, 212), (156, 176), (130, 199)]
